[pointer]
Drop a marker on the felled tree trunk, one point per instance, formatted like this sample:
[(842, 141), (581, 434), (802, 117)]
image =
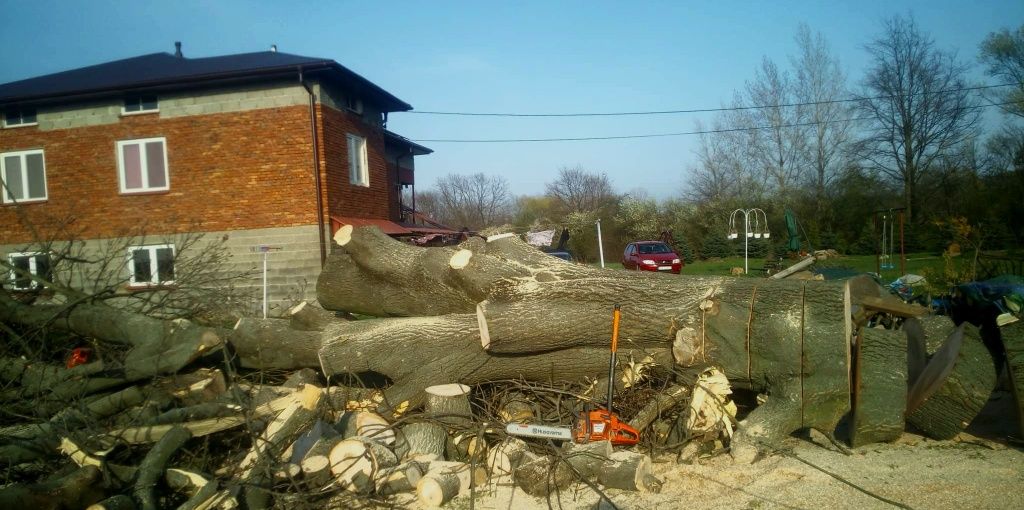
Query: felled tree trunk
[(953, 387), (157, 346), (1012, 336)]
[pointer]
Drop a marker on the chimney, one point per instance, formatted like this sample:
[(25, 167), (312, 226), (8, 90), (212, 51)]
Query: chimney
[(177, 49), (273, 48)]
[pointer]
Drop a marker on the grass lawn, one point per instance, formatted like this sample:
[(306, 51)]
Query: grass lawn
[(916, 264)]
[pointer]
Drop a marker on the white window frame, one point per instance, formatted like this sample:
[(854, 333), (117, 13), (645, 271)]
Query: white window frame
[(24, 177), (140, 111), (33, 267), (146, 188), (358, 163), (20, 124), (154, 270)]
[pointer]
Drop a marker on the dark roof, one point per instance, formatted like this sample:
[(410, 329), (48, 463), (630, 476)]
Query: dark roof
[(163, 71), (397, 139)]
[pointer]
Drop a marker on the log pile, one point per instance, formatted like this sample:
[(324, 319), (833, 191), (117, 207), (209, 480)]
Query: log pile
[(411, 405)]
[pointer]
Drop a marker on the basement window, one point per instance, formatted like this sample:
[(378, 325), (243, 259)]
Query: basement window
[(151, 265), (23, 175), (28, 263), (358, 166), (140, 104), (142, 165), (19, 118)]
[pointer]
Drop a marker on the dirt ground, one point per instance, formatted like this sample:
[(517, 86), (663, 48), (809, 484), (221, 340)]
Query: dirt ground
[(982, 468)]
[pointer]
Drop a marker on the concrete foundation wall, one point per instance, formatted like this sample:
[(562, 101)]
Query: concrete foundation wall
[(293, 264)]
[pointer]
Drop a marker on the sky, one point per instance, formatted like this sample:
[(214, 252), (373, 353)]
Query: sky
[(515, 57)]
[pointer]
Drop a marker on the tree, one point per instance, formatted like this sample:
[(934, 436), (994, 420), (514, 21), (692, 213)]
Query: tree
[(719, 174), (819, 83), (578, 190), (638, 217), (918, 107), (473, 201), (773, 140), (1003, 55)]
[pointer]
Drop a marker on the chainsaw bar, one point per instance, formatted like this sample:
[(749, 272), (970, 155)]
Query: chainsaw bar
[(530, 430)]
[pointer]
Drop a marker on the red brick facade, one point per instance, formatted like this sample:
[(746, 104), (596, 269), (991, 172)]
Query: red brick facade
[(227, 171)]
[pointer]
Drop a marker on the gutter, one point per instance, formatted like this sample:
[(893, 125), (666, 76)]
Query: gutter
[(316, 169)]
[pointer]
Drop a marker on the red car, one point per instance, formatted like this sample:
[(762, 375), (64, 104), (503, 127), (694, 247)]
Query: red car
[(651, 256)]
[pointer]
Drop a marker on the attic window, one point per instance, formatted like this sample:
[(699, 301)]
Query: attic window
[(22, 117), (140, 104), (354, 104)]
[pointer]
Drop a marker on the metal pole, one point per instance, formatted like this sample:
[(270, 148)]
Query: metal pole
[(600, 245), (265, 307), (746, 239)]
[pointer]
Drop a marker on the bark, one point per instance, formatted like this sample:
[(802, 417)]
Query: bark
[(153, 465), (401, 478), (948, 404), (539, 476), (1013, 343), (423, 438), (626, 470), (118, 502), (309, 317), (436, 489), (504, 458), (272, 343), (588, 459), (663, 401), (157, 346), (449, 404), (880, 387), (71, 492)]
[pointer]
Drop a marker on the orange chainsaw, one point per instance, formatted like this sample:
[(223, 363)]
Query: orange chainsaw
[(604, 424), (593, 425)]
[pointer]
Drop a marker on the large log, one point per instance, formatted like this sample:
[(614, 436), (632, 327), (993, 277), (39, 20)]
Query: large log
[(953, 387), (157, 346), (1012, 336), (880, 387), (153, 465)]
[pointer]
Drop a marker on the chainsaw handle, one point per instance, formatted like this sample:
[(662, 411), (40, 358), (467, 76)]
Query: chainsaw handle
[(616, 316)]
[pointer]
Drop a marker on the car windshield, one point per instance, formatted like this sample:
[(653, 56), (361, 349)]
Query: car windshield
[(654, 248)]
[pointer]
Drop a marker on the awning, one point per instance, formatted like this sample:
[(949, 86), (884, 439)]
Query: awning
[(386, 226)]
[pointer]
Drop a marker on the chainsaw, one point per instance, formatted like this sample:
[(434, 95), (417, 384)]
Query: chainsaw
[(592, 425)]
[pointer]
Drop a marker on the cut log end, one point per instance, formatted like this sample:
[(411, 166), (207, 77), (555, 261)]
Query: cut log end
[(343, 235), (461, 259), (481, 323), (436, 489), (497, 237)]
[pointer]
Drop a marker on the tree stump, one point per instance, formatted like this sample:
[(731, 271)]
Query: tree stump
[(588, 459), (422, 438), (880, 387)]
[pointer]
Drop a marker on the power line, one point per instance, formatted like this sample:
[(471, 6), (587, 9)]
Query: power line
[(661, 135), (697, 110)]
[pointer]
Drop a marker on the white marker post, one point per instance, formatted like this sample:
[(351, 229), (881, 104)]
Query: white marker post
[(265, 250), (600, 245)]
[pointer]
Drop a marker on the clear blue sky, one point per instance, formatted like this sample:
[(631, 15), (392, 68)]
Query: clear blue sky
[(547, 56)]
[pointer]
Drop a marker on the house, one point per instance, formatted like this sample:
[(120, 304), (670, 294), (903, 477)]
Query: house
[(265, 152)]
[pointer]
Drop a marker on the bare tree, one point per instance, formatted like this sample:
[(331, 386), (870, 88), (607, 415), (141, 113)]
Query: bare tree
[(917, 103), (772, 138), (719, 174), (1003, 55), (819, 83), (577, 190), (473, 201)]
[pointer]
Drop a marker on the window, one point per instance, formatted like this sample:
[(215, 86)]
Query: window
[(34, 263), (24, 176), (23, 117), (354, 104), (142, 165), (140, 104), (358, 169), (151, 265)]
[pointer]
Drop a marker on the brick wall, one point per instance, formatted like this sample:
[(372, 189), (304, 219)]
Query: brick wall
[(228, 171), (341, 197)]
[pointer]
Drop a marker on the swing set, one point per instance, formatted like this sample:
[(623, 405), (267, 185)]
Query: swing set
[(887, 220)]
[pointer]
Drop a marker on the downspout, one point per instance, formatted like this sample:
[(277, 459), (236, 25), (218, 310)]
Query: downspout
[(316, 170)]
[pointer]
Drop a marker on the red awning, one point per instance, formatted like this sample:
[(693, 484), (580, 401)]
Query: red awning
[(386, 226)]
